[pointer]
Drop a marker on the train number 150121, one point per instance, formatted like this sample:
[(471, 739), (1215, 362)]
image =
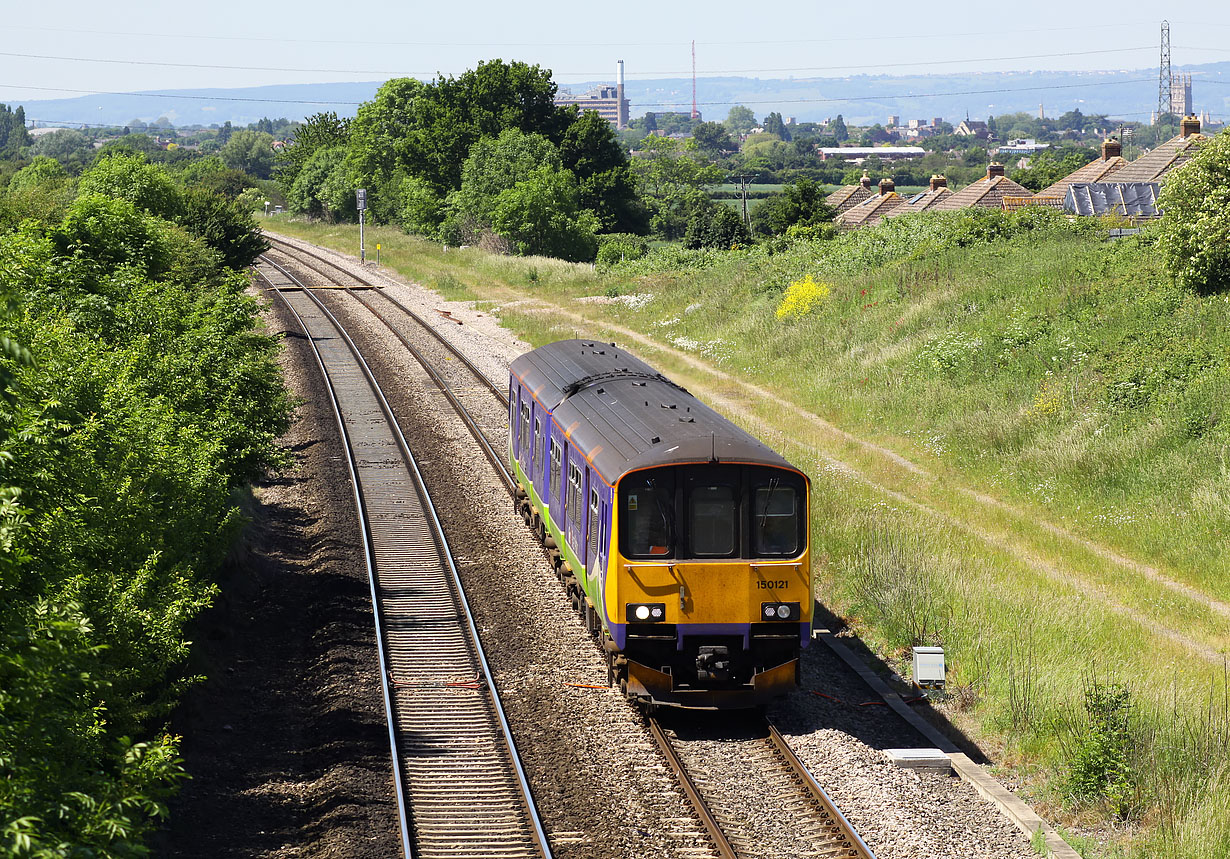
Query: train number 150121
[(771, 584)]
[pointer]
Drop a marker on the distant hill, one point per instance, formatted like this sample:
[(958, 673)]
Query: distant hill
[(861, 99)]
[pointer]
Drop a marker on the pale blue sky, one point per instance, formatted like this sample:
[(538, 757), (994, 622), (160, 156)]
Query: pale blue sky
[(316, 41)]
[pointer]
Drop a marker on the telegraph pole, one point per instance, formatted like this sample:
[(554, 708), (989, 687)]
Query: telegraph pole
[(743, 191)]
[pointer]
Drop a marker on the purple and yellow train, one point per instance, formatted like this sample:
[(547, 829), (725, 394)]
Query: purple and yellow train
[(683, 539)]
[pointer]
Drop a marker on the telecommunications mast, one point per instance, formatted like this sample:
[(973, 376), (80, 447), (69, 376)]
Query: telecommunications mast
[(1163, 74), (695, 112)]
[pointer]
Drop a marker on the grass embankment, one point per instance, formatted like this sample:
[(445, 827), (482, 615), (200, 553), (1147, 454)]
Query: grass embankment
[(1016, 438)]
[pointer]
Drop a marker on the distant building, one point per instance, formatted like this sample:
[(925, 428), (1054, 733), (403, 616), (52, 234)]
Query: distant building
[(972, 128), (857, 154), (609, 101), (1181, 95), (1024, 146)]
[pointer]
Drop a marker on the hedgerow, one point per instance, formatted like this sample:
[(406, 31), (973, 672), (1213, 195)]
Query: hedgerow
[(137, 397)]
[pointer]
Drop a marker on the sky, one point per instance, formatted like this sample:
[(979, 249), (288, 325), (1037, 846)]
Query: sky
[(90, 47)]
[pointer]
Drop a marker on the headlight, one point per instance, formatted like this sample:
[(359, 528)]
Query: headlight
[(780, 611), (649, 612)]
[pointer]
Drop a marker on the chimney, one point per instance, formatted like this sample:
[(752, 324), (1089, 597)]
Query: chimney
[(1190, 125), (621, 111), (994, 169), (938, 182), (887, 186), (865, 181), (1111, 148)]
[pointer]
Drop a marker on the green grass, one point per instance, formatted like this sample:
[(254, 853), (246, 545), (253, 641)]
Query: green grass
[(1062, 507)]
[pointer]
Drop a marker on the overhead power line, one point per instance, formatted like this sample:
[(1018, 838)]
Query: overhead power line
[(573, 44), (836, 68), (178, 96)]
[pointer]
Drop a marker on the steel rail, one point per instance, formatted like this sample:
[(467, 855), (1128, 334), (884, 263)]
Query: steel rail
[(724, 848), (370, 566), (457, 353), (538, 835), (484, 443), (818, 792)]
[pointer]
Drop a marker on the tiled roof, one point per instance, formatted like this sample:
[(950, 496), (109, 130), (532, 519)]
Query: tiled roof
[(847, 196), (1046, 202), (869, 212), (1154, 166), (988, 193), (1094, 171), (920, 202)]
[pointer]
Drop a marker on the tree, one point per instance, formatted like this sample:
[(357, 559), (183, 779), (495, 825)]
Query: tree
[(43, 171), (13, 134), (839, 129), (494, 166), (649, 122), (223, 225), (426, 130), (592, 153), (127, 176), (740, 120), (305, 195), (541, 215), (773, 124), (319, 131), (713, 139), (713, 225), (71, 148), (249, 151), (802, 204), (670, 179), (1194, 234)]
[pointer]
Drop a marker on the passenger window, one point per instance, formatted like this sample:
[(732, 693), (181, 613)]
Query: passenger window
[(775, 520), (647, 517), (712, 521)]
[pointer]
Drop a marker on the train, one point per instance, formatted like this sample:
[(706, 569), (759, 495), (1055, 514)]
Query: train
[(682, 539)]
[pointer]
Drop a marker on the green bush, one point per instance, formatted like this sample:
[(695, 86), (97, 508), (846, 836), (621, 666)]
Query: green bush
[(1194, 234)]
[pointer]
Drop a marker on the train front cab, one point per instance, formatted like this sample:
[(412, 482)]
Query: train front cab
[(709, 592)]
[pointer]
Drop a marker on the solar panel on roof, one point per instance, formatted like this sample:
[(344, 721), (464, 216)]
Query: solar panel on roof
[(1131, 199)]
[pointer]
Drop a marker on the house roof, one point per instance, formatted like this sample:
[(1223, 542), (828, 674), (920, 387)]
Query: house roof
[(845, 197), (1094, 171), (870, 211), (1155, 164), (986, 192), (920, 202)]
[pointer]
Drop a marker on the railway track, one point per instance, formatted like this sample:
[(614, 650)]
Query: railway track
[(801, 807), (460, 787)]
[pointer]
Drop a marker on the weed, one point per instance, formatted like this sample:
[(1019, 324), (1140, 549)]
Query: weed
[(1102, 747)]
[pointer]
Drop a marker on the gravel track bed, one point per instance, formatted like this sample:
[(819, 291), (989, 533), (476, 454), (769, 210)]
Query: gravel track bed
[(586, 739), (601, 785)]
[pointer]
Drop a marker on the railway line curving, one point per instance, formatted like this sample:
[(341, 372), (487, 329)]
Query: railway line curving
[(460, 786), (814, 825)]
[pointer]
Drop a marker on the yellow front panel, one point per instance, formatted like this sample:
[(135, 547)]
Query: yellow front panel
[(712, 592)]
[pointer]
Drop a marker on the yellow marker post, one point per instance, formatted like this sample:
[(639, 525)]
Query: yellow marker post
[(377, 253)]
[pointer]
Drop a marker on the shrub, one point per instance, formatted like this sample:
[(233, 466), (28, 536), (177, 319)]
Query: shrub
[(1194, 234), (801, 297)]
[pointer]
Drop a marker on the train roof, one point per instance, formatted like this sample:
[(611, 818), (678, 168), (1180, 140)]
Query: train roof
[(624, 415)]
